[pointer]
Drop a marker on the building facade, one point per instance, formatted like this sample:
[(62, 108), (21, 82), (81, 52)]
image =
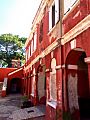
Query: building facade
[(57, 68)]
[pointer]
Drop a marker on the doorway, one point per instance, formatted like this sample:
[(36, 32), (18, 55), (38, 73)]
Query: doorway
[(78, 84), (15, 85)]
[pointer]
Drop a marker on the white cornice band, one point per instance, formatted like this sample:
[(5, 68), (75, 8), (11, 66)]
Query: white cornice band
[(79, 28)]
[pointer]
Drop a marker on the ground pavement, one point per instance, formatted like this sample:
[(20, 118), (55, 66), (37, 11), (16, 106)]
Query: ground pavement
[(10, 109)]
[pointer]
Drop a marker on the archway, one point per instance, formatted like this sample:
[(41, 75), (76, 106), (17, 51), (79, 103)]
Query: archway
[(15, 85), (41, 85), (77, 84)]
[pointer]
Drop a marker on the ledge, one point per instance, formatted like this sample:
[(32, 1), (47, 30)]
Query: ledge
[(52, 104), (32, 94)]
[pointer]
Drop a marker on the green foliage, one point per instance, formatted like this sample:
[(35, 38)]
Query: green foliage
[(24, 98), (67, 115), (11, 48), (58, 114)]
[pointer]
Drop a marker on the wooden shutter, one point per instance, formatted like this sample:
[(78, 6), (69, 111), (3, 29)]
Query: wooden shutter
[(50, 18), (56, 11)]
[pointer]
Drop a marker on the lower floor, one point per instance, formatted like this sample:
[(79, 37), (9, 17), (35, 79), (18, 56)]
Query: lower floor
[(10, 109), (61, 80)]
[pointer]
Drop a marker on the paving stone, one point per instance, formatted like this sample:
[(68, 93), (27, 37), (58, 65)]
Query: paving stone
[(10, 110)]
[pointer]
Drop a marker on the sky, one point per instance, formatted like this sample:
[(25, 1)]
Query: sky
[(16, 16)]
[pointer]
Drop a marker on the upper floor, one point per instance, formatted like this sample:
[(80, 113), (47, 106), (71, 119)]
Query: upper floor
[(53, 19)]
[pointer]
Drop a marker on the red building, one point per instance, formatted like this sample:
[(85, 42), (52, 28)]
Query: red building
[(11, 81), (57, 69)]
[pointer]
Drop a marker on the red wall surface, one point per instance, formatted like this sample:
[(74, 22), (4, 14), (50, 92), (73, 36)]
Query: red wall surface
[(4, 73)]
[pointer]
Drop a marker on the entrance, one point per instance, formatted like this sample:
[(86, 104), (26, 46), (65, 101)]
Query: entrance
[(15, 85), (78, 84)]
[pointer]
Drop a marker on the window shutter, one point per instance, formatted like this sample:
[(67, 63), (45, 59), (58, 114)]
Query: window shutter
[(35, 40), (50, 18), (29, 51), (31, 47), (72, 2), (26, 56), (56, 11), (66, 6)]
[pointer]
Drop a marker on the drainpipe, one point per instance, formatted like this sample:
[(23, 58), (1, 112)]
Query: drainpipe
[(61, 16), (60, 105)]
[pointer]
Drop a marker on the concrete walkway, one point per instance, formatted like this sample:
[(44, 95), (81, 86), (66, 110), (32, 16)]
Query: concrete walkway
[(10, 109)]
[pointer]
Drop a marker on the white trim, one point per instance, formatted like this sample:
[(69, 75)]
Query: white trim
[(52, 103), (73, 67), (15, 71), (78, 29), (73, 44), (63, 66), (58, 67), (79, 49), (43, 54), (87, 60), (32, 94), (47, 70)]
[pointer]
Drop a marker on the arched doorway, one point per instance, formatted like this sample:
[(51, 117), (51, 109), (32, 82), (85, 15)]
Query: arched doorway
[(15, 85), (77, 84), (41, 85)]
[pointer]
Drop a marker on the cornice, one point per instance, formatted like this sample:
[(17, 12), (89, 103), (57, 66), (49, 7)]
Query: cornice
[(78, 29)]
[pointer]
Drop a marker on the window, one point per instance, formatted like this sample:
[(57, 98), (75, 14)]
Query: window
[(31, 47), (68, 5), (26, 55), (35, 40), (53, 91), (56, 11), (29, 53), (53, 14), (41, 31), (33, 83)]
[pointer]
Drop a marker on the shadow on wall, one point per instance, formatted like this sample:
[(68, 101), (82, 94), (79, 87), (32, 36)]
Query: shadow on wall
[(15, 85)]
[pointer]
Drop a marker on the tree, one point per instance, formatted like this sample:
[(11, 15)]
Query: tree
[(11, 47)]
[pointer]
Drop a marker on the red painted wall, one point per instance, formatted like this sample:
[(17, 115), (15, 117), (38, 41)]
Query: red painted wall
[(4, 73), (66, 56)]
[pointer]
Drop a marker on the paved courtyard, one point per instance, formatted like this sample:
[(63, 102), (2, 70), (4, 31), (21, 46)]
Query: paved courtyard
[(10, 109)]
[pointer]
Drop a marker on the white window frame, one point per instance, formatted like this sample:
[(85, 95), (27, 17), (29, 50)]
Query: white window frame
[(26, 56), (29, 52), (35, 40), (33, 83), (31, 47), (50, 18), (52, 101), (56, 11), (56, 3), (68, 5)]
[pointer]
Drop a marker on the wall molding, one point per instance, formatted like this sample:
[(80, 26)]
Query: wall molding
[(72, 67), (78, 29), (87, 60), (58, 67)]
